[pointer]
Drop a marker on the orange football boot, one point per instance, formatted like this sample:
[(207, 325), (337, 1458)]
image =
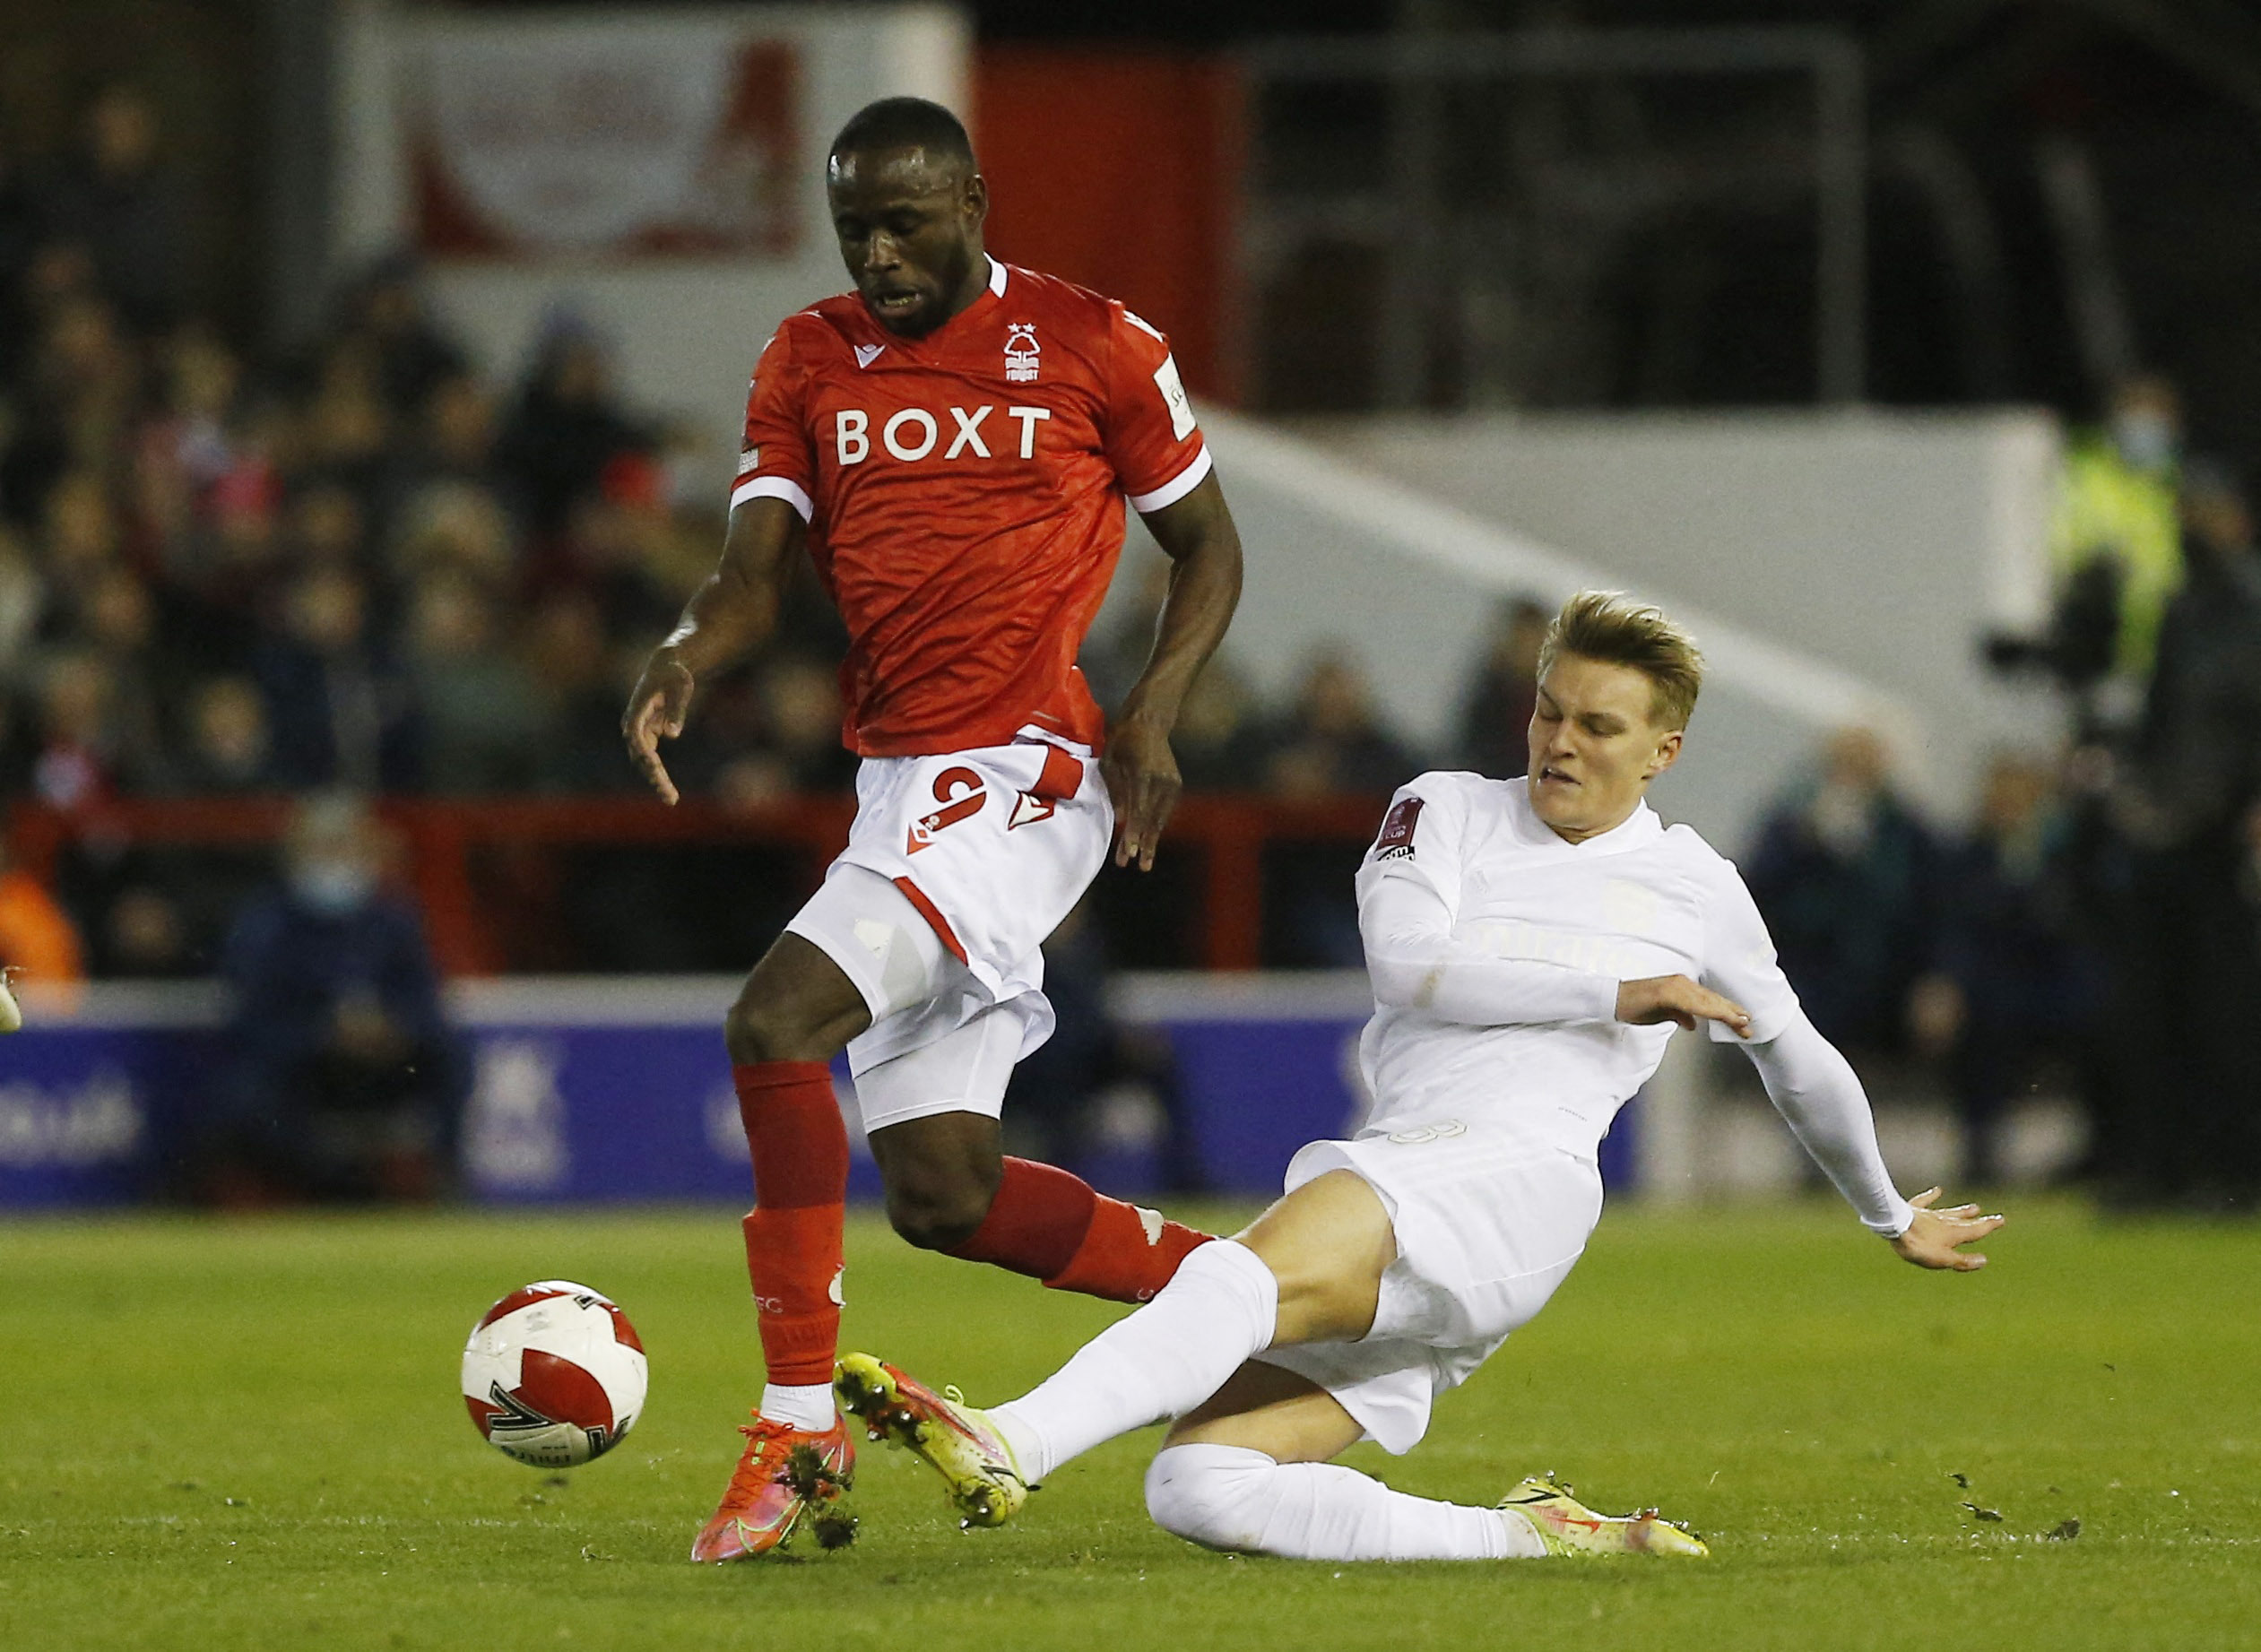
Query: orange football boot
[(788, 1477)]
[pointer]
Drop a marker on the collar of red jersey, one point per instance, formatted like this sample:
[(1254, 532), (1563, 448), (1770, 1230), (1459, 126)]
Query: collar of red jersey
[(996, 276)]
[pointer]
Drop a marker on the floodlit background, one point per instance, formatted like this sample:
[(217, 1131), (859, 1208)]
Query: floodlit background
[(370, 377)]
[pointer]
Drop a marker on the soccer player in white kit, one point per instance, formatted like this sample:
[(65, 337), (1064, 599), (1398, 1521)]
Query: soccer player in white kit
[(1532, 943)]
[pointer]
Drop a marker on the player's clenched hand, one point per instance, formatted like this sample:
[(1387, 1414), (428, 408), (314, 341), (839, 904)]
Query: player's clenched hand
[(1143, 778), (657, 706), (1935, 1237), (1676, 999)]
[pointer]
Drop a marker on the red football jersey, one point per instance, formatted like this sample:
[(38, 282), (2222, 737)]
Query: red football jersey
[(964, 495)]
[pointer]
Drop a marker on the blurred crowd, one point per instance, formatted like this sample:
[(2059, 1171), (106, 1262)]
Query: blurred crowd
[(353, 563), (359, 564), (2096, 928), (362, 565)]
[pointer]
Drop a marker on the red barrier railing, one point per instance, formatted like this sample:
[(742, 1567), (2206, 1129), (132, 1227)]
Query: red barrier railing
[(441, 837)]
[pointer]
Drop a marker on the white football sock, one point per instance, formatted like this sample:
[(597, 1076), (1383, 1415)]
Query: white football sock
[(1230, 1498), (804, 1404), (1222, 1306)]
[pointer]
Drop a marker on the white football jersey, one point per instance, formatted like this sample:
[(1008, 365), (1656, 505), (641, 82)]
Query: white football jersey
[(1641, 900)]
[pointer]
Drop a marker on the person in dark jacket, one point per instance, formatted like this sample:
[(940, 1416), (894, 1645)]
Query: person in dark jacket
[(1496, 714), (2182, 1125), (2012, 985), (116, 196), (343, 1079), (1842, 872)]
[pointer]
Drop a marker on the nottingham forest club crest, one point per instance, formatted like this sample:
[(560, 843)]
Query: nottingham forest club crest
[(1021, 352)]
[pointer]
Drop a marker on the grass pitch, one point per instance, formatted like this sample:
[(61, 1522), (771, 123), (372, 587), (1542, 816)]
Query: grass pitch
[(248, 1435)]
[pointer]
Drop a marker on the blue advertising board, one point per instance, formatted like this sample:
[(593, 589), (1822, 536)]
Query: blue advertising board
[(592, 1091)]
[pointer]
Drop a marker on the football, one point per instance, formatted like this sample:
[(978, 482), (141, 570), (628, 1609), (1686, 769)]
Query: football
[(554, 1374)]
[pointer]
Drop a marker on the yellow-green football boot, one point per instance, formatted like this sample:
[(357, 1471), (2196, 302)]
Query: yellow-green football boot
[(1567, 1526), (964, 1445)]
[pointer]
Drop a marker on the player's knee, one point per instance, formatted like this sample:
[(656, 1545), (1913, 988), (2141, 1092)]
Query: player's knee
[(758, 1028), (1212, 1495), (938, 1209)]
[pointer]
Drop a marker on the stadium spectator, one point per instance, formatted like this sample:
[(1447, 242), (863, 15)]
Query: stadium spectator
[(337, 710), (2011, 984), (118, 620), (568, 424), (2179, 1126), (343, 1080), (618, 543), (81, 395), (229, 747), (2115, 543), (22, 603), (577, 677), (80, 535), (191, 442), (798, 703), (37, 936), (1496, 713), (1334, 740), (481, 712), (73, 771), (114, 196), (1843, 873), (412, 354), (452, 524), (21, 233), (454, 440), (347, 430), (1332, 743), (145, 937), (1221, 741), (326, 525)]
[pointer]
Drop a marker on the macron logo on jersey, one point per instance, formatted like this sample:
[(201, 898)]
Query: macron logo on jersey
[(914, 434)]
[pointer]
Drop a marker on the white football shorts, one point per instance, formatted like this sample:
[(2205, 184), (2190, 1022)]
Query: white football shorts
[(956, 869), (1489, 1220)]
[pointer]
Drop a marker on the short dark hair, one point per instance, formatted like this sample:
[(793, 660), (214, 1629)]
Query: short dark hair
[(905, 123)]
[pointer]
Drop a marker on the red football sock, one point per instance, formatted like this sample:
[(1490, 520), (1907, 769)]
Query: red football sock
[(801, 1195), (1053, 1227)]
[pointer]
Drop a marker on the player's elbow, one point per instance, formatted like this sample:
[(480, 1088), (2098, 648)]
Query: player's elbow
[(1400, 983), (1217, 1496)]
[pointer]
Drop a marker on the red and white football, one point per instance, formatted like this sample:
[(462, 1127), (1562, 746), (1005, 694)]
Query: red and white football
[(554, 1374)]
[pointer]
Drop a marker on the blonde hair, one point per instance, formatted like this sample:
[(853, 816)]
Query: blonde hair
[(1611, 626)]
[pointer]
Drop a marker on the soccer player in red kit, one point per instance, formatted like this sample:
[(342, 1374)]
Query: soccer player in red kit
[(952, 443)]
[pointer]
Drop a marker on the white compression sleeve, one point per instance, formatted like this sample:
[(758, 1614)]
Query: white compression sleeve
[(1231, 1498), (1222, 1305), (1416, 963), (1815, 1088)]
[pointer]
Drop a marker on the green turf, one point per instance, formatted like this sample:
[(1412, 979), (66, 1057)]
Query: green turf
[(248, 1435)]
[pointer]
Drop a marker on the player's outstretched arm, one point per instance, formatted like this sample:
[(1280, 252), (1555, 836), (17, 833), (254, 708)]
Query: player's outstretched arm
[(725, 617), (1204, 548), (1936, 1238), (1820, 1097)]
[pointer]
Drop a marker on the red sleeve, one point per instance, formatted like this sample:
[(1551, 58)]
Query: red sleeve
[(1151, 439), (775, 461)]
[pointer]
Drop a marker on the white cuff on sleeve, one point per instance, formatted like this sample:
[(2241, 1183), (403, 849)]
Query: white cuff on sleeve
[(774, 487), (1170, 492)]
